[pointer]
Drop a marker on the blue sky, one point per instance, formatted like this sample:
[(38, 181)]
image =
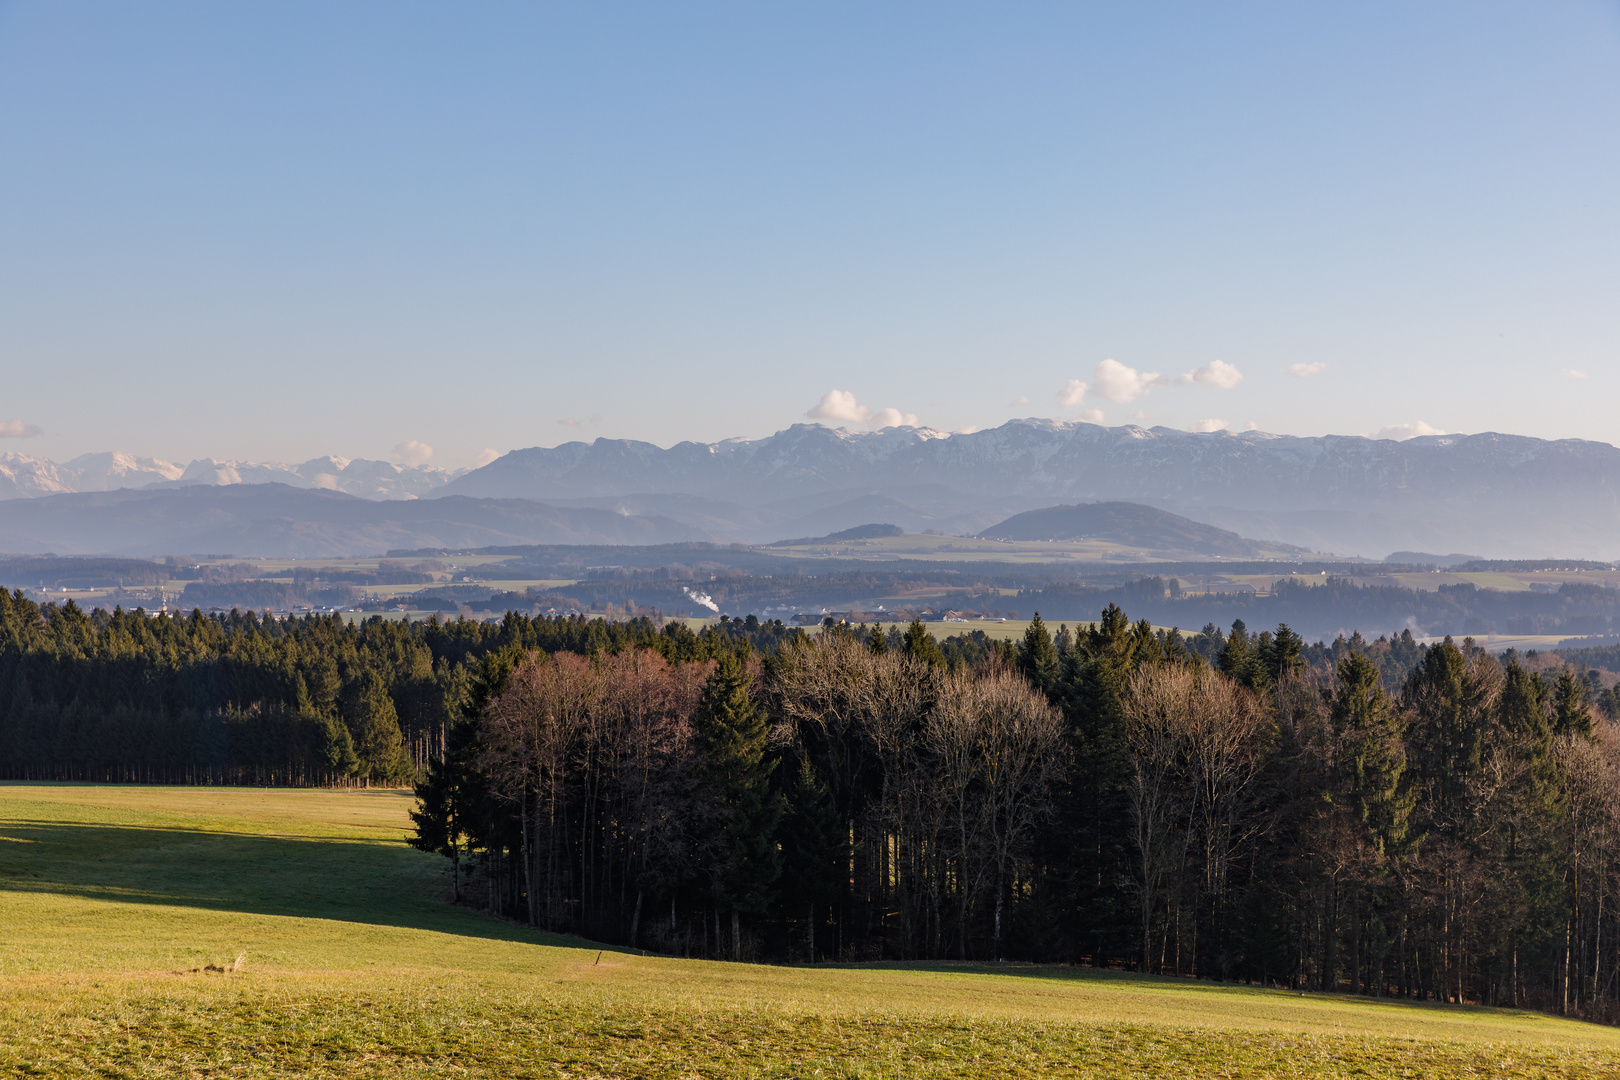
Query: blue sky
[(272, 231)]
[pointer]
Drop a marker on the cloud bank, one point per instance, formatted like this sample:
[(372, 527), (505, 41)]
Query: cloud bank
[(840, 407), (17, 429), (412, 452), (1305, 371), (1402, 432), (1116, 382)]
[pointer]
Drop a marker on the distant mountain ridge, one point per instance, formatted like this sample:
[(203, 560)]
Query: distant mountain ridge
[(280, 521), (1506, 496)]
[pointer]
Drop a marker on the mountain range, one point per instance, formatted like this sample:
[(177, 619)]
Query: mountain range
[(22, 476), (1506, 496)]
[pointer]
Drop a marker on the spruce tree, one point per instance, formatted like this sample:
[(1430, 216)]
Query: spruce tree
[(1570, 713), (1038, 656), (921, 644), (1372, 755), (731, 735), (815, 851), (375, 726)]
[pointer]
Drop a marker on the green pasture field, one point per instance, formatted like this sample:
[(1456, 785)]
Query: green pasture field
[(184, 932)]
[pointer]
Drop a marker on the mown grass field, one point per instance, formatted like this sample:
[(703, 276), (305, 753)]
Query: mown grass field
[(114, 903)]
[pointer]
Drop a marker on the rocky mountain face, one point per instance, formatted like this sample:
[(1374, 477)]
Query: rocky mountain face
[(22, 476), (1510, 496)]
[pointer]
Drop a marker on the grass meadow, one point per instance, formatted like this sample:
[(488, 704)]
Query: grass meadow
[(189, 932)]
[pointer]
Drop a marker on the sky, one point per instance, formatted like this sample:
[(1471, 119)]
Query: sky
[(433, 232)]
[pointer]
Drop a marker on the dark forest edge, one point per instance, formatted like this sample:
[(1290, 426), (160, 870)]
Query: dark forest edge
[(1384, 817)]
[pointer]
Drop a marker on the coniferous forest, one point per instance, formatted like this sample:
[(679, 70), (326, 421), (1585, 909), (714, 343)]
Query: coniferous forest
[(1384, 818)]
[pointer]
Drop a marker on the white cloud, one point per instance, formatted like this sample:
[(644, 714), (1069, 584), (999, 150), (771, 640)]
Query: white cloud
[(1019, 400), (887, 418), (1305, 371), (1094, 416), (839, 405), (485, 456), (1116, 382), (1400, 432), (970, 429), (569, 421), (1252, 425), (1072, 394), (17, 429), (1571, 373), (1211, 425), (1216, 373), (412, 452)]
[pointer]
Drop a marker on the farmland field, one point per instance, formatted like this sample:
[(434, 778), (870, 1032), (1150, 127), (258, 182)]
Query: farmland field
[(231, 932)]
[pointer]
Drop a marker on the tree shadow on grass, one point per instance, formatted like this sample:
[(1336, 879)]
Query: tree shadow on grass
[(360, 881)]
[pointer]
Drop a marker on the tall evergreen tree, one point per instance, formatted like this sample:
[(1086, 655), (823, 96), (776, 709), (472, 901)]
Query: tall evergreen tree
[(375, 726), (731, 732), (815, 851), (1038, 656), (921, 644)]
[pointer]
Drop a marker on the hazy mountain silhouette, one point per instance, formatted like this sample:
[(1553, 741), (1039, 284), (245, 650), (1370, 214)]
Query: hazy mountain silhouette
[(1132, 524)]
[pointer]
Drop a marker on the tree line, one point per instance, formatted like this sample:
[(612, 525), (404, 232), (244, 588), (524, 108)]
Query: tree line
[(127, 696), (1387, 817)]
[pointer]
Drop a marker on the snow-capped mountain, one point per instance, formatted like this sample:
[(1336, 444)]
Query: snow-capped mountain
[(1504, 496), (22, 476), (1508, 495)]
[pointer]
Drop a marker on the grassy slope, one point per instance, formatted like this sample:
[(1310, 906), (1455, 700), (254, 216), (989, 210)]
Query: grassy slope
[(109, 897)]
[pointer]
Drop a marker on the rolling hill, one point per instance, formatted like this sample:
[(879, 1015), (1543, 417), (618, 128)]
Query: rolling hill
[(1134, 525)]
